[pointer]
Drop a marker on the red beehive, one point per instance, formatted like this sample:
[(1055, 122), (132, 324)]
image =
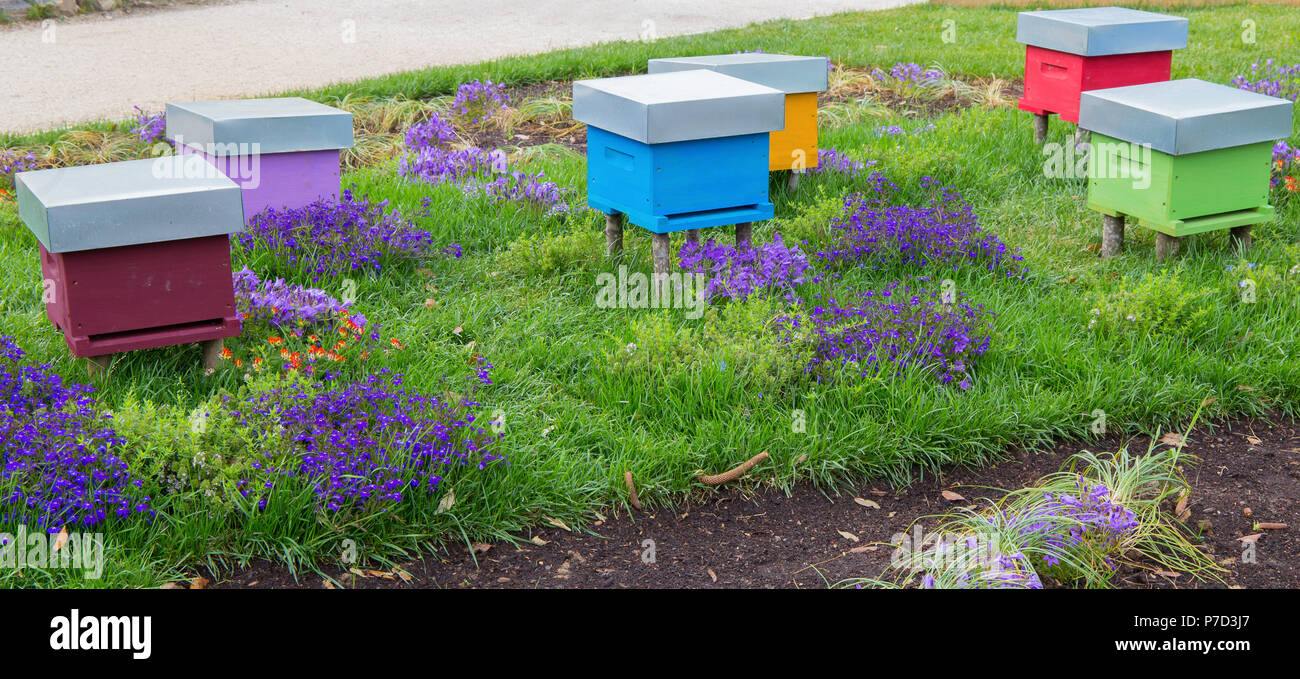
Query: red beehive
[(135, 255), (1070, 51)]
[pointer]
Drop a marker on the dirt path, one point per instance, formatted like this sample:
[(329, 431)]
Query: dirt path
[(99, 66), (777, 541)]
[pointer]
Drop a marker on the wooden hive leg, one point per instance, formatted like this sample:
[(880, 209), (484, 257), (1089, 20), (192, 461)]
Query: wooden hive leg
[(1166, 246), (1040, 128), (792, 182), (692, 235), (1240, 237), (212, 353), (659, 248), (1112, 235), (744, 234), (614, 235), (1081, 136), (98, 365)]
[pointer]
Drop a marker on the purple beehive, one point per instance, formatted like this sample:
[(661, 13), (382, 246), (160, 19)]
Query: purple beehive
[(283, 152)]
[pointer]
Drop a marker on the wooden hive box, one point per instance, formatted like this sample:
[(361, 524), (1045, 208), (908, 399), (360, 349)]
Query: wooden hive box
[(795, 146), (135, 254), (678, 151), (283, 152), (1071, 51), (1183, 156)]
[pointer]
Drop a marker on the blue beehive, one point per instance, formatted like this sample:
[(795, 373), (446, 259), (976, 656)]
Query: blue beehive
[(677, 151)]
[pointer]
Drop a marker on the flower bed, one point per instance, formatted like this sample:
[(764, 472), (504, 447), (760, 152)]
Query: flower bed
[(62, 459)]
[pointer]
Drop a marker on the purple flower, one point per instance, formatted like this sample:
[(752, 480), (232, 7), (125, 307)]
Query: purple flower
[(478, 100), (908, 74), (433, 132), (740, 272), (361, 445), (13, 162), (1272, 79), (59, 453), (830, 161), (896, 328), (285, 305), (337, 236), (475, 171), (871, 231), (149, 127)]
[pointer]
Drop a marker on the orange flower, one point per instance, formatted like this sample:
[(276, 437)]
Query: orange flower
[(275, 341), (239, 363), (284, 353), (343, 331), (314, 339), (397, 343), (257, 360), (1291, 185), (225, 353), (340, 344)]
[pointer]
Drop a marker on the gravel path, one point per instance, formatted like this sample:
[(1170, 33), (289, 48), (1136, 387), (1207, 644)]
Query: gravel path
[(99, 66)]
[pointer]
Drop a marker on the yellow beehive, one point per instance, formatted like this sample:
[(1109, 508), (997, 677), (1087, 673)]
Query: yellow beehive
[(801, 78)]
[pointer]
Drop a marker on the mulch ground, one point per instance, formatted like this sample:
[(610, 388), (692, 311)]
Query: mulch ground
[(1248, 471)]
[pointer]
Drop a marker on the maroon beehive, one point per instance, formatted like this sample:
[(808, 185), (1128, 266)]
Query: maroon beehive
[(1070, 51), (135, 255)]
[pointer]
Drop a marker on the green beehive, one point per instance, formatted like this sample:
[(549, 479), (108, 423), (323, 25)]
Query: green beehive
[(1181, 157), (1180, 195)]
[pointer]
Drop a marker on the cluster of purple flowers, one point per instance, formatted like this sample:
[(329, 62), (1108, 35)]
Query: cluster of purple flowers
[(149, 127), (336, 236), (475, 171), (286, 305), (740, 272), (909, 73), (1090, 517), (478, 100), (1005, 571), (901, 328), (435, 131), (519, 187), (435, 164), (13, 162), (1272, 79), (59, 451), (943, 232), (830, 161), (362, 444)]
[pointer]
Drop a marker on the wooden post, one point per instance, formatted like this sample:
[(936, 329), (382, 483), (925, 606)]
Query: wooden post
[(792, 182), (1040, 128), (659, 248), (212, 352), (692, 235), (614, 235), (1240, 237), (1083, 138), (744, 233), (1166, 246), (98, 365), (1112, 235)]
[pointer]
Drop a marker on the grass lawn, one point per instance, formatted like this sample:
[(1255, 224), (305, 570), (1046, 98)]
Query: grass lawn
[(577, 413)]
